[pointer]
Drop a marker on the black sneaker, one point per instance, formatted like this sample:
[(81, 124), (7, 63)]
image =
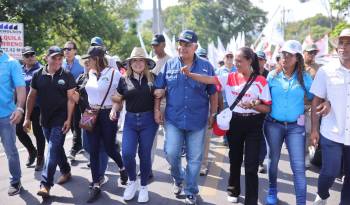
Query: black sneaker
[(101, 182), (15, 189), (123, 177), (72, 155), (191, 199), (31, 158), (94, 194)]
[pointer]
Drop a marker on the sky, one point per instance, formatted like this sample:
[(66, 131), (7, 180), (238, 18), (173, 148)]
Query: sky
[(294, 9)]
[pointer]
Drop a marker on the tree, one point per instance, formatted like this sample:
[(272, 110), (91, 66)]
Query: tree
[(212, 18), (316, 26), (342, 6), (52, 22)]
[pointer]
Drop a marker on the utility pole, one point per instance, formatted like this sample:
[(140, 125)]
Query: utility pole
[(157, 26)]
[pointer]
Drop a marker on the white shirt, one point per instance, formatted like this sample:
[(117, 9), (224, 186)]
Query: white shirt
[(332, 82), (96, 89), (160, 62), (233, 84)]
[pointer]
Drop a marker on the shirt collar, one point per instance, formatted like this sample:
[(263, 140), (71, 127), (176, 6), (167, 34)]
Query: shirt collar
[(33, 68), (4, 57), (45, 72)]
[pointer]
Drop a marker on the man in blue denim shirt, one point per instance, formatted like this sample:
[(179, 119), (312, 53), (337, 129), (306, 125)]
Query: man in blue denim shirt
[(11, 81), (71, 64), (186, 113)]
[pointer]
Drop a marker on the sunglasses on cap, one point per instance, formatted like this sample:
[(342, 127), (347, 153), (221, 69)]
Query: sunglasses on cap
[(28, 55)]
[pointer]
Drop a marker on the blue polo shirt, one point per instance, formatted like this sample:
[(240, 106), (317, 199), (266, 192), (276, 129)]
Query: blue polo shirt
[(10, 78), (187, 100), (75, 68), (288, 96)]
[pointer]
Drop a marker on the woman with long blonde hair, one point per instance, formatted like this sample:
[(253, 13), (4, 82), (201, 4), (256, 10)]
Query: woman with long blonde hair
[(136, 88)]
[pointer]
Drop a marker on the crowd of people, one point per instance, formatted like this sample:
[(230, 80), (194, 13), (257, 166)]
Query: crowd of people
[(255, 109)]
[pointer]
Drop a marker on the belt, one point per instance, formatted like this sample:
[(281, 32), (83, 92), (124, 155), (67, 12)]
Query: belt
[(97, 107), (282, 123), (245, 114)]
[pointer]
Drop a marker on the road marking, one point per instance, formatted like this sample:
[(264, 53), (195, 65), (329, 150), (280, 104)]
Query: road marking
[(210, 186)]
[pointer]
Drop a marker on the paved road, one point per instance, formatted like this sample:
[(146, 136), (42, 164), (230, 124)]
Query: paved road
[(212, 187)]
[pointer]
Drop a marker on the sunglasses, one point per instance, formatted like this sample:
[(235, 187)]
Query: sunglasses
[(67, 49), (29, 55), (312, 52)]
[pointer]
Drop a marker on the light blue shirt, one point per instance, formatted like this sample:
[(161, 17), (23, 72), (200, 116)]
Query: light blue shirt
[(288, 96), (10, 77), (75, 68)]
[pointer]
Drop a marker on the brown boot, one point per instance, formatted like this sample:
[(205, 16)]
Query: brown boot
[(39, 163), (44, 191), (64, 178)]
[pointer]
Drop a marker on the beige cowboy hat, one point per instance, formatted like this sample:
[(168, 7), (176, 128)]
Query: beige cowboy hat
[(140, 53), (344, 33)]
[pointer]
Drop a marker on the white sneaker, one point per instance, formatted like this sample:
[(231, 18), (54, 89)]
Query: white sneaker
[(232, 199), (143, 194), (319, 201), (130, 190)]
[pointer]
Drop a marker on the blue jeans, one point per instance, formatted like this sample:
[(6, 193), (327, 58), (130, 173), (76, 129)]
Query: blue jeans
[(8, 139), (194, 143), (55, 155), (263, 149), (103, 155), (104, 132), (332, 154), (294, 137), (139, 131)]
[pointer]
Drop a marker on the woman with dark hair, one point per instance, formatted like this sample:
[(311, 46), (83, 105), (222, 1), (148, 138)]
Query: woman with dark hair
[(140, 128), (245, 127), (289, 86), (101, 85)]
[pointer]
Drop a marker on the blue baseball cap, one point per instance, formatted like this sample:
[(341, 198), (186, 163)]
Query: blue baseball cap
[(157, 39), (96, 41), (202, 52), (188, 36), (261, 55), (54, 50)]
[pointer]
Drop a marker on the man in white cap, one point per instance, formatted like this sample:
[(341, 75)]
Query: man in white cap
[(332, 84)]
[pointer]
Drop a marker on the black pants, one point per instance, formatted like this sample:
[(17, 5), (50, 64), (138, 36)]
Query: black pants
[(24, 138), (245, 135), (76, 130)]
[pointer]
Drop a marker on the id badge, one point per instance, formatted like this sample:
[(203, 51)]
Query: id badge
[(301, 120)]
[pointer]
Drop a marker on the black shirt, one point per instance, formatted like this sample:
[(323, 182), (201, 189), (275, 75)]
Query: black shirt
[(138, 96), (52, 95)]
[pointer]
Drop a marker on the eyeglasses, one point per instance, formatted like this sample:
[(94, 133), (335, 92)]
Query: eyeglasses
[(184, 44), (286, 55), (67, 49), (28, 55)]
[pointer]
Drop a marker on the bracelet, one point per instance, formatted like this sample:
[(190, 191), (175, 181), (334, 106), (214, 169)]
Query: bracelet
[(213, 114), (21, 110)]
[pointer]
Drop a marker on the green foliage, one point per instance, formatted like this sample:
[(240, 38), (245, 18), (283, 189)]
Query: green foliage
[(342, 6), (49, 22), (212, 18), (338, 28), (316, 26)]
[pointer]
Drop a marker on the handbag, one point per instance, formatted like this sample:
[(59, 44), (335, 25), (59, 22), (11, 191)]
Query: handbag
[(219, 129), (89, 117)]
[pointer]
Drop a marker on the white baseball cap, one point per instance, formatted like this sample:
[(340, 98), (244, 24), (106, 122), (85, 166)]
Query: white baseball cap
[(292, 46), (223, 119)]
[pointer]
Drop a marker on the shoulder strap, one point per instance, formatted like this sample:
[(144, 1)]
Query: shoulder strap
[(109, 87), (250, 81)]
